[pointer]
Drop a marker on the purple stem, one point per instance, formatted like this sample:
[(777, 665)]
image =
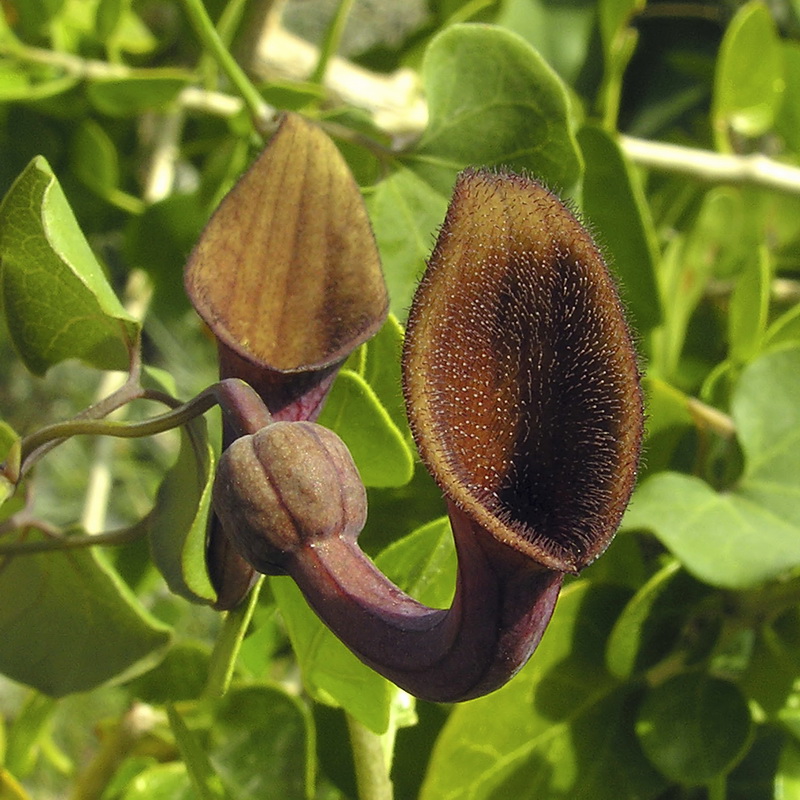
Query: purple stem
[(502, 605)]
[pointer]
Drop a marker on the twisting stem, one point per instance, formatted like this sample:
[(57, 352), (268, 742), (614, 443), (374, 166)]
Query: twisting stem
[(235, 396)]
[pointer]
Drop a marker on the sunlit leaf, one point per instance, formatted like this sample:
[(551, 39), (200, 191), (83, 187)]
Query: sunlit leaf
[(58, 303), (177, 524), (562, 728)]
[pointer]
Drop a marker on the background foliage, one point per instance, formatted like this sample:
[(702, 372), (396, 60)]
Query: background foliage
[(671, 668)]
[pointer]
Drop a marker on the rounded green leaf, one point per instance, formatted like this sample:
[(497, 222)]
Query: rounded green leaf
[(492, 99), (57, 300), (407, 197), (69, 623), (694, 727), (748, 84), (263, 745)]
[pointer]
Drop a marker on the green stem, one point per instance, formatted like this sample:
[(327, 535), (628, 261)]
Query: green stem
[(21, 547), (237, 399), (226, 649), (124, 430), (204, 27), (332, 40), (372, 775), (718, 788)]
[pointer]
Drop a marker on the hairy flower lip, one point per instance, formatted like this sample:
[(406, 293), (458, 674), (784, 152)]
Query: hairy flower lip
[(520, 375)]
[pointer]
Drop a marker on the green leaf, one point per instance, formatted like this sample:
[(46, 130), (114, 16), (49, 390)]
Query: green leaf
[(492, 99), (560, 729), (619, 39), (615, 206), (28, 83), (785, 329), (382, 372), (204, 780), (423, 563), (687, 266), (131, 35), (143, 90), (58, 303), (747, 316), (648, 628), (8, 439), (767, 417), (263, 745), (788, 122), (162, 782), (668, 420), (405, 212), (748, 84), (694, 727), (379, 449), (180, 676), (33, 724), (561, 32), (94, 158), (331, 673), (787, 779), (177, 524), (108, 16), (68, 622), (741, 538), (771, 673), (720, 539)]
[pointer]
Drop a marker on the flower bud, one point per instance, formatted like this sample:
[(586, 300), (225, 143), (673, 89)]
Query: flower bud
[(286, 487)]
